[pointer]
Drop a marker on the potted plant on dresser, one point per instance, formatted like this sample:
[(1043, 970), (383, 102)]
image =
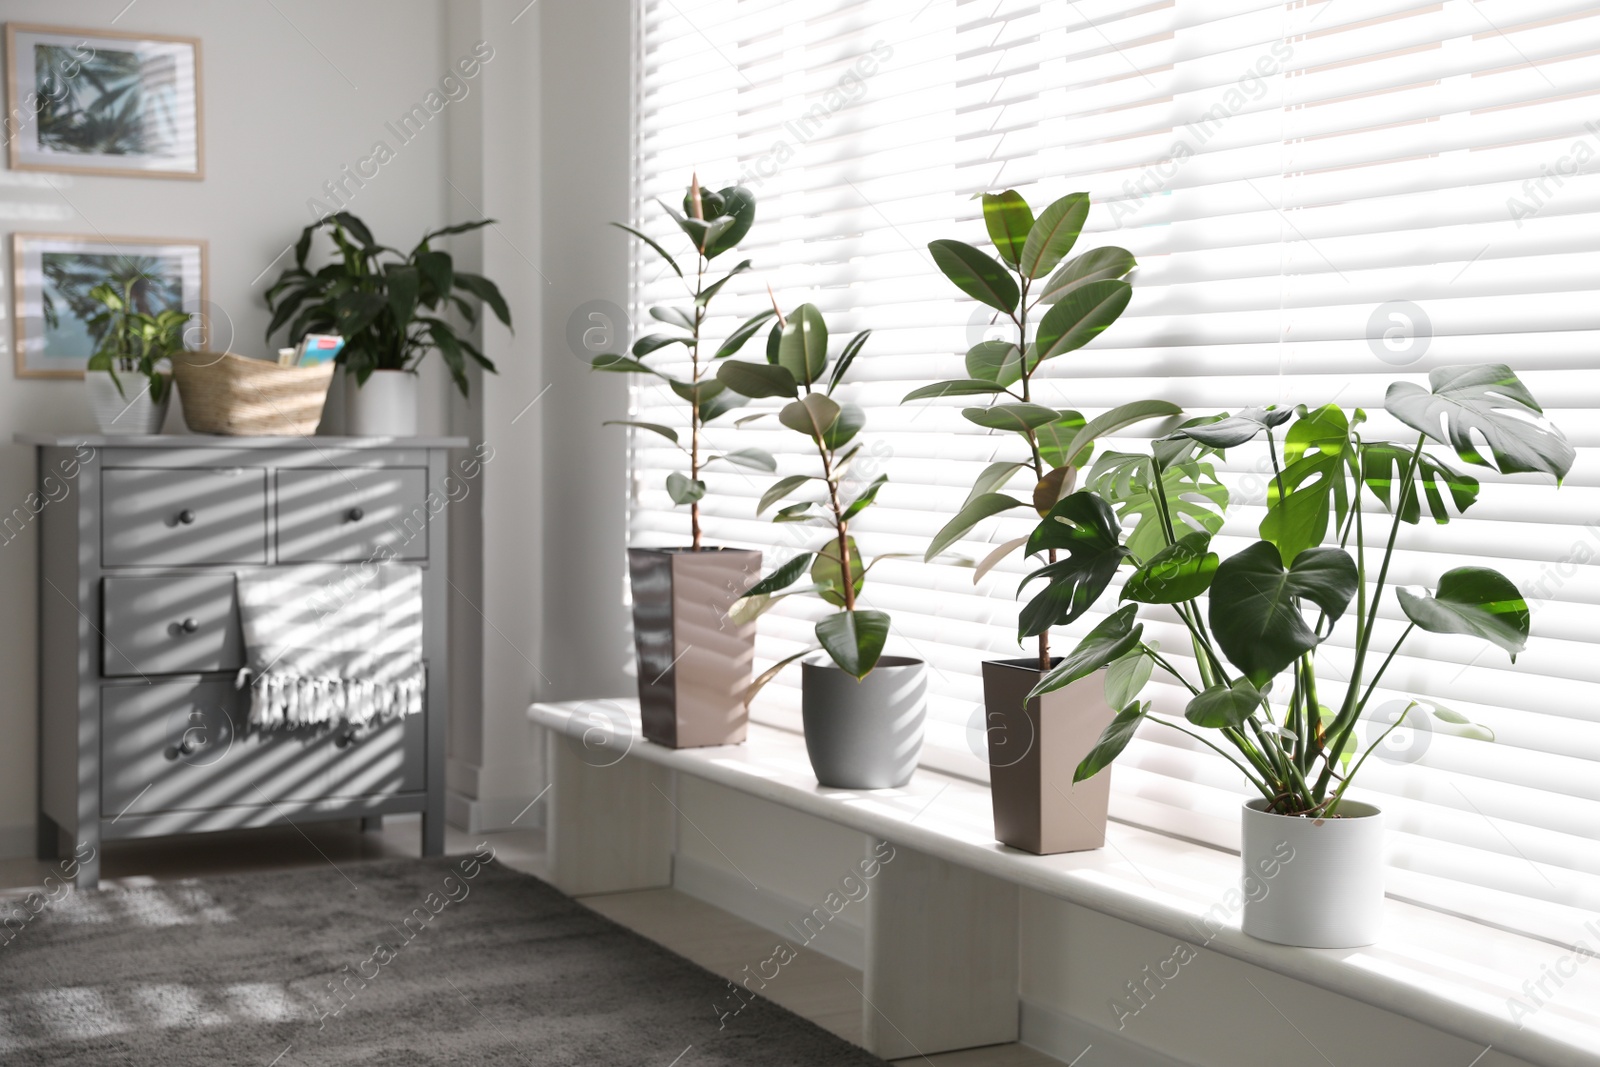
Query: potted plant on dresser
[(694, 661), (1255, 620), (1035, 741), (392, 309), (128, 391), (863, 711)]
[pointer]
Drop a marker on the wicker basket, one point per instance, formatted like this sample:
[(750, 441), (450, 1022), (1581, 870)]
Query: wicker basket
[(228, 394)]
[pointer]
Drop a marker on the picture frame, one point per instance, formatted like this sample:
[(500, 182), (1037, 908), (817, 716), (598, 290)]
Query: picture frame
[(141, 116), (51, 278)]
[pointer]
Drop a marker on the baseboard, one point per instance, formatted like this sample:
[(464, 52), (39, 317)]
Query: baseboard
[(477, 816), (843, 939), (1066, 1037), (18, 841)]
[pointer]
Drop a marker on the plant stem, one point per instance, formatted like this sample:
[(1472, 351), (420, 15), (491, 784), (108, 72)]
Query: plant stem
[(840, 527), (1020, 317), (1170, 669), (694, 405), (1221, 752)]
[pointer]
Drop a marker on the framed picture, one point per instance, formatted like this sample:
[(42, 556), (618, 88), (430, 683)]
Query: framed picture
[(53, 274), (103, 103)]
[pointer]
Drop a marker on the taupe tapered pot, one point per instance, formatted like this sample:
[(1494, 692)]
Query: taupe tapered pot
[(1034, 747), (694, 662)]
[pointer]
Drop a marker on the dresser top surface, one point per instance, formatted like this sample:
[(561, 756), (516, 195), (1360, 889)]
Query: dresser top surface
[(180, 440)]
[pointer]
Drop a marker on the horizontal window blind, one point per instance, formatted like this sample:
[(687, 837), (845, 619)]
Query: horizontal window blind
[(1322, 196)]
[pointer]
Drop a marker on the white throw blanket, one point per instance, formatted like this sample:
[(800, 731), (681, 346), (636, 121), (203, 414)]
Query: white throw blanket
[(331, 642)]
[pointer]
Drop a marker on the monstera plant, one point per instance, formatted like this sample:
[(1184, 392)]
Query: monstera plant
[(715, 223), (1255, 620)]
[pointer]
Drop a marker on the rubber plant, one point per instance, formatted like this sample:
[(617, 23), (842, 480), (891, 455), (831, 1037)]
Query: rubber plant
[(131, 340), (715, 223), (1256, 619), (800, 371), (390, 306), (1054, 306)]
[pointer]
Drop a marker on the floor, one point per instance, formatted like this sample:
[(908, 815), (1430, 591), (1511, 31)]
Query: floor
[(813, 986)]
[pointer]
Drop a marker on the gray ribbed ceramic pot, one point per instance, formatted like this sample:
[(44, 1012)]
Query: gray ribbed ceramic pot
[(864, 734)]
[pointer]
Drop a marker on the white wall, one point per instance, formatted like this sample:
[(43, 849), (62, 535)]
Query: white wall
[(280, 120)]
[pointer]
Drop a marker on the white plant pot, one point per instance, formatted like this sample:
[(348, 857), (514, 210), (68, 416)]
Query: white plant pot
[(119, 415), (1315, 883), (386, 406)]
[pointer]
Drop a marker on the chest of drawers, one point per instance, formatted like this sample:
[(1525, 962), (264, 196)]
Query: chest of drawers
[(141, 730)]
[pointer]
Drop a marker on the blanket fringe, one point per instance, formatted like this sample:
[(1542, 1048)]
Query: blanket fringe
[(286, 700)]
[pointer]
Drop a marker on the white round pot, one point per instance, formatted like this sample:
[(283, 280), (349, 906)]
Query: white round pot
[(1315, 883), (385, 406), (864, 734), (119, 415)]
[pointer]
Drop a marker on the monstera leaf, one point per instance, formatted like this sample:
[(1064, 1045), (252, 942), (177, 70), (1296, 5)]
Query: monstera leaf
[(1177, 573), (1224, 707), (1085, 527), (1384, 464), (1116, 636), (1472, 600), (1315, 491), (1256, 611), (1195, 498), (1489, 402)]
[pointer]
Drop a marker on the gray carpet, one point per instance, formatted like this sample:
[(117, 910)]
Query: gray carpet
[(435, 964)]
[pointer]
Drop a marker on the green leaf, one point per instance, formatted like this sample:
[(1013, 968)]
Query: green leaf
[(1053, 236), (958, 387), (403, 284), (654, 427), (1232, 430), (849, 423), (992, 479), (1019, 418), (1085, 527), (713, 405), (829, 576), (684, 491), (1326, 429), (1383, 464), (813, 415), (780, 489), (1112, 742), (1056, 439), (1195, 498), (1114, 637), (803, 345), (757, 379), (1118, 418), (999, 362), (1127, 676), (1489, 402), (1098, 264), (673, 317), (1222, 707), (1008, 219), (487, 291), (660, 250), (865, 498), (972, 513), (652, 341), (754, 458), (739, 203), (609, 361), (800, 512), (781, 578), (976, 273), (1476, 601), (715, 287), (439, 271), (1314, 488), (1080, 316), (1256, 605), (1177, 573), (852, 349), (736, 340), (854, 639)]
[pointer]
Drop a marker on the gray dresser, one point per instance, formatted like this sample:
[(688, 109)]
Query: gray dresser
[(141, 730)]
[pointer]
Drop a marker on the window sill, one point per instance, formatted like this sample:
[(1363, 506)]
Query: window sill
[(1459, 976)]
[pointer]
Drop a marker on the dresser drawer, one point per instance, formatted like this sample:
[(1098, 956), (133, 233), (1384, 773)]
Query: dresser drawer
[(329, 515), (186, 746), (184, 517), (179, 625)]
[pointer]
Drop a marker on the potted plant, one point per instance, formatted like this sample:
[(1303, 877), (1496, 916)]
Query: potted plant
[(391, 309), (694, 661), (1255, 619), (135, 342), (1054, 306), (863, 711)]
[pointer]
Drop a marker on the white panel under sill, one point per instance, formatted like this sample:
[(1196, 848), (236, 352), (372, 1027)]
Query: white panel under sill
[(842, 940), (1165, 884)]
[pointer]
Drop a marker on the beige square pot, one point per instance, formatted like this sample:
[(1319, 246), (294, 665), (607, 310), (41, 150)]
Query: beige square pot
[(1033, 749), (694, 662)]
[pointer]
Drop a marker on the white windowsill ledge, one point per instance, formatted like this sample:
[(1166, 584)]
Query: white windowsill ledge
[(1437, 969)]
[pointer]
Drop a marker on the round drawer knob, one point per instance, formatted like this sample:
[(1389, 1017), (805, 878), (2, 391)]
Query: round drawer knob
[(355, 514), (190, 625), (186, 516)]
